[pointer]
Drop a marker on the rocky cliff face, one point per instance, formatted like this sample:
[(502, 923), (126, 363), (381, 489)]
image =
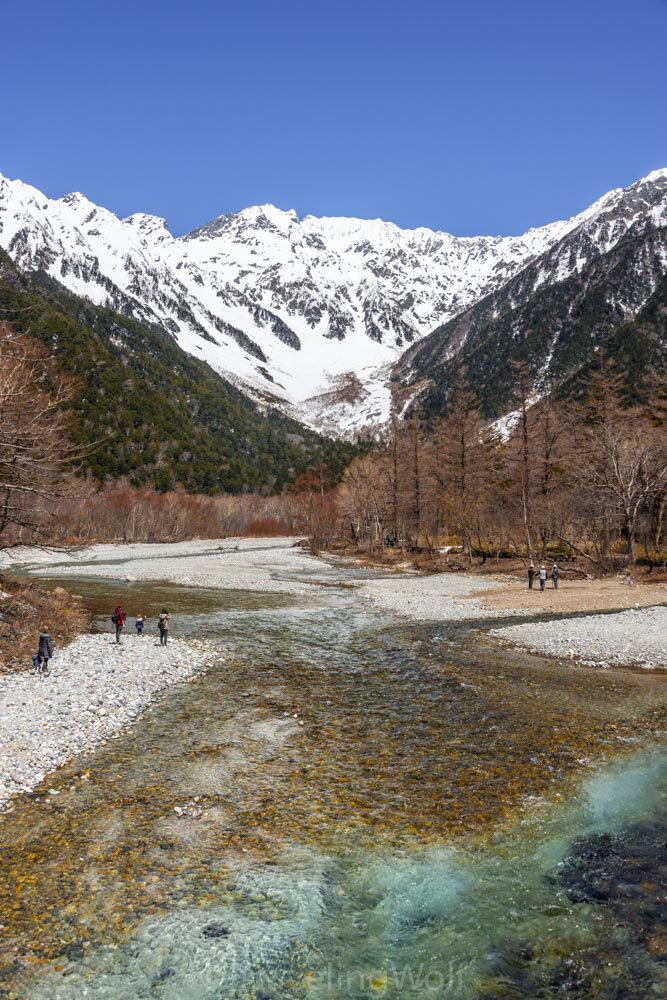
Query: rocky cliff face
[(312, 314)]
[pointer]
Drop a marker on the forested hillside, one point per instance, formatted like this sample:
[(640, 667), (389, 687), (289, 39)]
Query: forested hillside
[(615, 304), (151, 412)]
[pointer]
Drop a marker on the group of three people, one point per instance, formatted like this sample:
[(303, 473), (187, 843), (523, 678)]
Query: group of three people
[(40, 661), (542, 575), (119, 619)]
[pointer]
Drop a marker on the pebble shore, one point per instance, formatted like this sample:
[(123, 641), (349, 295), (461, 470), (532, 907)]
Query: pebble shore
[(441, 597), (269, 565), (95, 688), (628, 638)]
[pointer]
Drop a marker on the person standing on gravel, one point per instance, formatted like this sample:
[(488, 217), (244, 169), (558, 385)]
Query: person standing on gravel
[(40, 663), (118, 619), (531, 576), (543, 576), (163, 626), (554, 575)]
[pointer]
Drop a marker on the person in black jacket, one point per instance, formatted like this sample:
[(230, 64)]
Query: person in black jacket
[(44, 653)]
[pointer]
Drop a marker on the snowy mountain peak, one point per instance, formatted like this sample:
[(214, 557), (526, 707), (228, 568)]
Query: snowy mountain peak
[(276, 216), (266, 217), (74, 198), (18, 192), (654, 175), (149, 227), (81, 209), (309, 313)]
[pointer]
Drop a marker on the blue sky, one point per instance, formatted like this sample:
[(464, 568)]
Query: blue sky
[(474, 117)]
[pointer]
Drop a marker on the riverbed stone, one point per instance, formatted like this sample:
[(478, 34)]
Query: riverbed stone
[(627, 638), (45, 721)]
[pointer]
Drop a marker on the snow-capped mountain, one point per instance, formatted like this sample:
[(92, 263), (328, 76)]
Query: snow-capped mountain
[(308, 313), (613, 304)]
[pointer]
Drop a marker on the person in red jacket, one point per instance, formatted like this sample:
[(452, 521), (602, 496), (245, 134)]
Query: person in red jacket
[(118, 618)]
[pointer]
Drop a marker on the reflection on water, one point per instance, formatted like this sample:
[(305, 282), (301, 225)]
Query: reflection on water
[(379, 817)]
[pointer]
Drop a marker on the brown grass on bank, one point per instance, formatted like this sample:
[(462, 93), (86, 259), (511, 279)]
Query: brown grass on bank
[(25, 611), (578, 590)]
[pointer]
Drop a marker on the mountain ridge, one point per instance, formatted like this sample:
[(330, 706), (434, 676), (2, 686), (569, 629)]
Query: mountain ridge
[(146, 411), (555, 330), (309, 314)]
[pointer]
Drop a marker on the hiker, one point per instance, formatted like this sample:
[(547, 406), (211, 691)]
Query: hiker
[(40, 662), (543, 576), (163, 626), (531, 576), (554, 575), (118, 618), (139, 624)]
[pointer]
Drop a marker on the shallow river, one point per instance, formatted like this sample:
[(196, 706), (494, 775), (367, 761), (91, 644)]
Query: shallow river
[(387, 809)]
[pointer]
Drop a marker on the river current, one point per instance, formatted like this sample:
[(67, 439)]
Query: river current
[(368, 808)]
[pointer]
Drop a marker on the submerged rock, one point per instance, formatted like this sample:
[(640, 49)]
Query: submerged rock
[(216, 930)]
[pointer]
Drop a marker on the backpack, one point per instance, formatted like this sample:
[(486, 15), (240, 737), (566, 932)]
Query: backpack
[(115, 618)]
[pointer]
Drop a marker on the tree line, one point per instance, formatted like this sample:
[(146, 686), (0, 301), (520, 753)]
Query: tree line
[(586, 476), (143, 410)]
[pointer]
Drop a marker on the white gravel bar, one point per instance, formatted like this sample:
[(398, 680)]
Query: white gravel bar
[(627, 638), (95, 688), (441, 597), (256, 564)]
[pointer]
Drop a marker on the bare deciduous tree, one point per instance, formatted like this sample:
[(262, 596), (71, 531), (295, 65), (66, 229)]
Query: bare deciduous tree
[(625, 471), (35, 450)]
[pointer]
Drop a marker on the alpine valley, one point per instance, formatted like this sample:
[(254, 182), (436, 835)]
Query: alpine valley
[(327, 319)]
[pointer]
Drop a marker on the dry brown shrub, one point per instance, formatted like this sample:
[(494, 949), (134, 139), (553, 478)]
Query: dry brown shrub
[(267, 527), (26, 609)]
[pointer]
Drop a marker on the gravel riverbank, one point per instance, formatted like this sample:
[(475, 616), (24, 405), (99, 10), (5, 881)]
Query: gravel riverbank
[(630, 638), (95, 688), (270, 565), (441, 597)]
